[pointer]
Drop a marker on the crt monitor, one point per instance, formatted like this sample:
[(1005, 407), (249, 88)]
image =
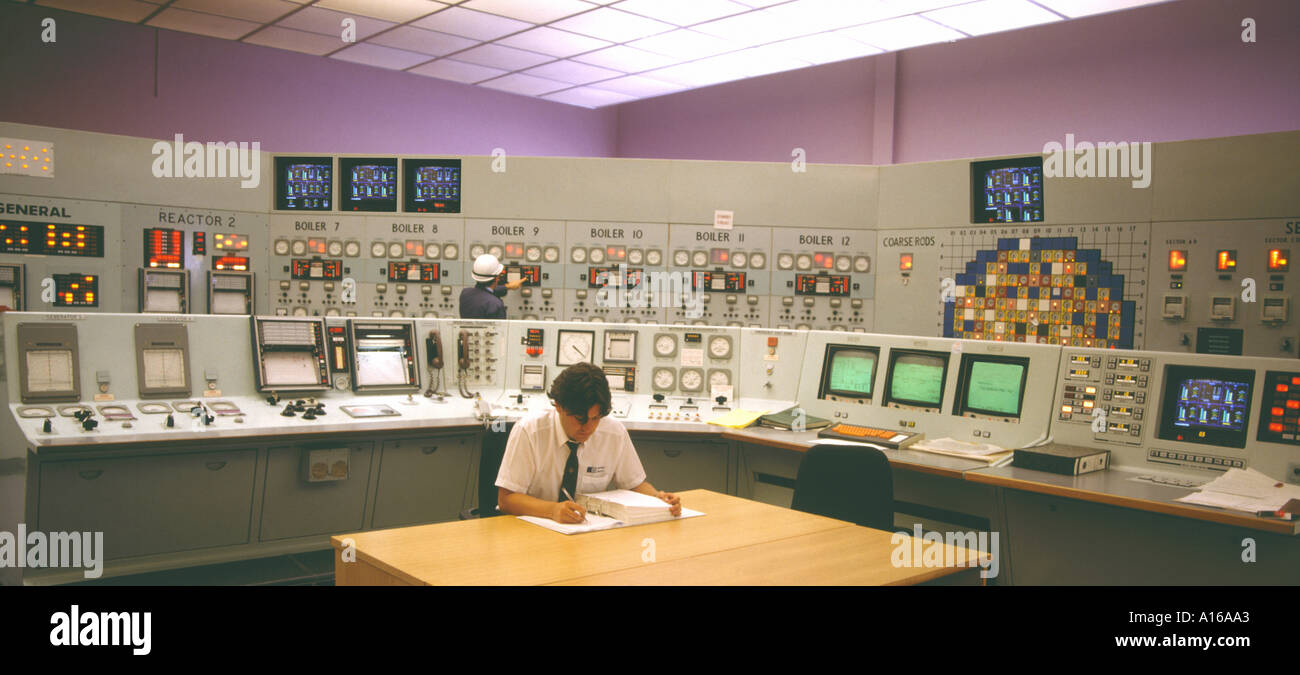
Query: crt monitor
[(916, 378), (368, 184), (991, 385), (1007, 190), (304, 183), (848, 371), (432, 185), (1203, 405)]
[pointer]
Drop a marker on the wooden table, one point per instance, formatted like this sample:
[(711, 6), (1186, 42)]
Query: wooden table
[(738, 542)]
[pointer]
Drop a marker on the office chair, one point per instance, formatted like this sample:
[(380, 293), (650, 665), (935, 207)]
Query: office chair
[(852, 483), (492, 450)]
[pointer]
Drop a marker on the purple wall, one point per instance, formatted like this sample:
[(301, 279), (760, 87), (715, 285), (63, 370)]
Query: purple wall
[(99, 76), (827, 111), (1173, 71)]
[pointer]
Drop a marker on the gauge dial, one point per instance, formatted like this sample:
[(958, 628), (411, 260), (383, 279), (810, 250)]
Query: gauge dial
[(785, 261), (691, 379), (575, 346), (335, 248), (534, 253), (654, 257), (719, 378), (352, 249), (862, 264), (281, 247), (300, 311), (597, 256), (578, 255), (739, 259), (843, 263), (757, 260), (720, 347), (450, 251), (700, 258), (804, 261), (299, 247), (665, 345), (395, 250), (377, 249), (432, 251), (476, 250), (635, 256), (552, 254), (495, 251), (664, 379), (681, 258)]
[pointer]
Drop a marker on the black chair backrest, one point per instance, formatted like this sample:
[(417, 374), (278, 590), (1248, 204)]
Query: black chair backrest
[(852, 483), (491, 451)]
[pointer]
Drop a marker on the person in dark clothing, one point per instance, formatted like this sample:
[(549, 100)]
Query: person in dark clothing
[(483, 299)]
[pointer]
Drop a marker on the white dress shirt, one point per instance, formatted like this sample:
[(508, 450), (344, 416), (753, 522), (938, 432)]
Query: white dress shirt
[(536, 452)]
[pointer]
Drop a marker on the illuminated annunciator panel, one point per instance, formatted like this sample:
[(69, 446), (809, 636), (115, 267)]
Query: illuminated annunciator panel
[(48, 362), (290, 354), (615, 273), (383, 356), (1105, 394), (162, 360), (728, 272), (12, 284), (822, 281)]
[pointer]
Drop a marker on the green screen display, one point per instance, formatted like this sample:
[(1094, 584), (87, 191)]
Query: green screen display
[(917, 379), (995, 387), (851, 372)]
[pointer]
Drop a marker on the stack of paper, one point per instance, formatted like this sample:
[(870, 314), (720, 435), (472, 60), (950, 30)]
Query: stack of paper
[(737, 419), (627, 506), (1244, 490), (980, 452)]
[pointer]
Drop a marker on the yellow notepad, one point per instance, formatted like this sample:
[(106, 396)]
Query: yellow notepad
[(738, 419)]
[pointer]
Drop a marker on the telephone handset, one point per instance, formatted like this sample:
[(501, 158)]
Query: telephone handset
[(462, 350), (433, 350)]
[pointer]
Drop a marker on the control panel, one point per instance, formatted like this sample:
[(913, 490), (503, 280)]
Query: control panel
[(615, 272), (530, 252), (61, 255), (823, 280), (727, 272)]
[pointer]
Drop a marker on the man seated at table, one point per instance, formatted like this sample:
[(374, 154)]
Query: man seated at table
[(575, 448)]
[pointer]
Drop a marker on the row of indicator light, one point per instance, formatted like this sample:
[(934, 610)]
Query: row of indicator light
[(24, 158), (1225, 260), (1290, 407)]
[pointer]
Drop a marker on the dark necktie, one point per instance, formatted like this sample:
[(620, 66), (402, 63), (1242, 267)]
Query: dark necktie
[(570, 480)]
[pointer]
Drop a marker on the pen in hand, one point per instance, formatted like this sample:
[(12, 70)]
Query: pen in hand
[(570, 498)]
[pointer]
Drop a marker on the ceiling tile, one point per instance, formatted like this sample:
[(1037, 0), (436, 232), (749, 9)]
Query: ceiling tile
[(261, 11), (991, 16), (326, 22), (524, 84), (1077, 8), (626, 59), (471, 24), (294, 40), (588, 98), (639, 86), (203, 24), (760, 3), (819, 48), (397, 11), (554, 42), (422, 41), (532, 11), (683, 12), (572, 72), (803, 17), (901, 33), (610, 24), (496, 56), (121, 10), (685, 44), (457, 71), (383, 57)]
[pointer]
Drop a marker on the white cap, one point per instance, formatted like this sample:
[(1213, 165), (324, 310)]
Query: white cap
[(486, 268)]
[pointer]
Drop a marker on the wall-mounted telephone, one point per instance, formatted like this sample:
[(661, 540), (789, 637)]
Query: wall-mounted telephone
[(433, 360), (462, 363)]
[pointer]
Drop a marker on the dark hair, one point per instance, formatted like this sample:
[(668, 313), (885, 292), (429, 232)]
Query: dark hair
[(579, 387)]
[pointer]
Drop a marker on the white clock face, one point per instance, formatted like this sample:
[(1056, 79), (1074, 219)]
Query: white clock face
[(681, 258), (377, 249), (299, 247), (757, 260), (282, 247), (395, 250), (862, 264), (635, 256), (476, 250), (720, 347), (552, 254), (665, 345), (432, 251), (578, 255), (654, 257), (785, 261), (450, 251), (534, 253), (597, 256), (843, 263), (495, 251), (575, 347), (719, 378), (739, 259), (352, 249), (700, 258), (804, 261), (692, 380), (335, 248), (664, 379)]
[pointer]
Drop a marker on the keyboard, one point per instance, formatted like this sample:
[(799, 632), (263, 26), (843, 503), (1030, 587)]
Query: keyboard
[(889, 438)]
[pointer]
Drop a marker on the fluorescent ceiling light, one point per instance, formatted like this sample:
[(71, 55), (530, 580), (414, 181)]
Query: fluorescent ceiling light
[(588, 97), (683, 12), (639, 86), (533, 11), (685, 44), (554, 42), (992, 16), (626, 59), (524, 84), (821, 48), (901, 33), (613, 25), (572, 72)]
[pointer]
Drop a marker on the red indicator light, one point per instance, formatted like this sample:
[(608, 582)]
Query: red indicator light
[(905, 262), (1177, 261), (1275, 427), (1225, 261), (1283, 387), (1294, 405), (1277, 412), (1295, 380), (1278, 259)]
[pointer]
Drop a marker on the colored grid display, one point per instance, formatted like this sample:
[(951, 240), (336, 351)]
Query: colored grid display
[(1044, 290), (305, 184), (30, 238), (372, 181), (1204, 403)]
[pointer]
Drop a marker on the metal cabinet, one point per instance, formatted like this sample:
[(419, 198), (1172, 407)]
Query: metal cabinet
[(424, 480), (293, 506)]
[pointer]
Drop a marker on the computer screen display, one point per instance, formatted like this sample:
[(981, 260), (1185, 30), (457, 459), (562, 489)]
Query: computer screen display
[(1206, 405), (916, 378), (1007, 190), (992, 385), (432, 185), (368, 184), (304, 183), (849, 371)]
